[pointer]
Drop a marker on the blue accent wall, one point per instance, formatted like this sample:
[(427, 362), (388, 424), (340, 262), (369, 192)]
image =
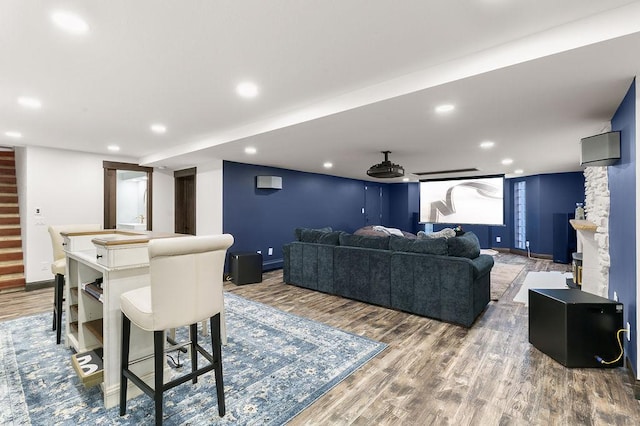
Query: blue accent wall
[(559, 193), (546, 194), (404, 203), (622, 220), (263, 218)]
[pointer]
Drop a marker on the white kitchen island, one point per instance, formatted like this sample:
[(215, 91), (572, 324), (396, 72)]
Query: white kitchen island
[(93, 321)]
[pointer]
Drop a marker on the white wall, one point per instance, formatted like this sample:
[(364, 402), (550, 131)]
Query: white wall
[(67, 187), (163, 206), (209, 198)]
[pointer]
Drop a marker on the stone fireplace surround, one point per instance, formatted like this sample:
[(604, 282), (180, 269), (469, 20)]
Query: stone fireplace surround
[(594, 236)]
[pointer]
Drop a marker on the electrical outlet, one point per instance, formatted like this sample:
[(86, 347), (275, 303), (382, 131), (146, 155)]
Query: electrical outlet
[(270, 251), (259, 252), (628, 331), (615, 296), (498, 239), (526, 243)]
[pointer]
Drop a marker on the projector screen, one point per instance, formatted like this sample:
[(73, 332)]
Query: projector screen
[(478, 200)]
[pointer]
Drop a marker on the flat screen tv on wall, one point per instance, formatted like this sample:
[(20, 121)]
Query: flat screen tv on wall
[(471, 200)]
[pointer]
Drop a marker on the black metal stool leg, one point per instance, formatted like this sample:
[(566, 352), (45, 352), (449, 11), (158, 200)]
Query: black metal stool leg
[(57, 309), (193, 335), (124, 362), (158, 357), (216, 351)]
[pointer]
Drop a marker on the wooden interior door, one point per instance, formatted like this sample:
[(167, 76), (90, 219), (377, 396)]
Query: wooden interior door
[(185, 201)]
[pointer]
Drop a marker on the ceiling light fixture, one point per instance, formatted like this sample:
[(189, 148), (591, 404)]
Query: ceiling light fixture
[(69, 22), (14, 135), (31, 103), (507, 161), (445, 108), (158, 128), (518, 171), (113, 148), (487, 144), (405, 179), (250, 150), (386, 169), (247, 89), (328, 165)]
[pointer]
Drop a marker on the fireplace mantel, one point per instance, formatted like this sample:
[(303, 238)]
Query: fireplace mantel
[(583, 225)]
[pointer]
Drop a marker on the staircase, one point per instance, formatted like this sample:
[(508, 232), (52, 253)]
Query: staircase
[(11, 260)]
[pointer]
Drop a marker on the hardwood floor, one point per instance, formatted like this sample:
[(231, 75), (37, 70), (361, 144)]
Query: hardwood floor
[(433, 372)]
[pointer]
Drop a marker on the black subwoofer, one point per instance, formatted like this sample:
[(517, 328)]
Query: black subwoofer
[(574, 327), (245, 268)]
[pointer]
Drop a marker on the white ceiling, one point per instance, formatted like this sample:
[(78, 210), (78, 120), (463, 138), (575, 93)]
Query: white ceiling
[(339, 80)]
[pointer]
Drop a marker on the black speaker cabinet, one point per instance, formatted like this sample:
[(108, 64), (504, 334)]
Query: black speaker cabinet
[(564, 237), (574, 327), (245, 268)]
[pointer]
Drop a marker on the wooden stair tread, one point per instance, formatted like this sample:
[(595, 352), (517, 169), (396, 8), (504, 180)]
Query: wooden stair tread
[(11, 256)]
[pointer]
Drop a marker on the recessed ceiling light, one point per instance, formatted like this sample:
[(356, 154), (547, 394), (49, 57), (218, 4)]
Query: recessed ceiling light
[(487, 144), (113, 148), (12, 134), (69, 22), (247, 89), (405, 179), (328, 165), (518, 171), (31, 103), (250, 150), (158, 128), (445, 108), (507, 161)]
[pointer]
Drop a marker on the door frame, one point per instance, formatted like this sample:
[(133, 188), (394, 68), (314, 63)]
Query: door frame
[(110, 196), (184, 205)]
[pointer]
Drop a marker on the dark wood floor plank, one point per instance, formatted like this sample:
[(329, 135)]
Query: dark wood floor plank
[(434, 372)]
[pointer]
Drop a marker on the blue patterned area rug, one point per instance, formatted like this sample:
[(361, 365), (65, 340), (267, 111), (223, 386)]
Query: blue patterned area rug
[(275, 365)]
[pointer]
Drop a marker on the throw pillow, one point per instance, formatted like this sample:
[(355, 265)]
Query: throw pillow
[(443, 233), (466, 245), (380, 243), (388, 231), (437, 246)]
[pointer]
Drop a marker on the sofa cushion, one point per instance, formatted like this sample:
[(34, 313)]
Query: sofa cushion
[(425, 246), (380, 243), (466, 245), (298, 231), (320, 237)]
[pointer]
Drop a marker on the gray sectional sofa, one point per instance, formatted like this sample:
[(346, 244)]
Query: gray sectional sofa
[(446, 279)]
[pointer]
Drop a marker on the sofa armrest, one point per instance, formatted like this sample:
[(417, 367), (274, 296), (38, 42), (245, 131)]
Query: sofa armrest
[(309, 265), (482, 265)]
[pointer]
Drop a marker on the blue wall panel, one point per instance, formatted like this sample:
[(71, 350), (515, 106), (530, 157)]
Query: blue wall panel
[(263, 218), (404, 206), (622, 219), (546, 194), (559, 193)]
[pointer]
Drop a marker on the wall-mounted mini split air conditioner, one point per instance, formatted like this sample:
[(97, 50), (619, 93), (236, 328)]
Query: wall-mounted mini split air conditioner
[(269, 182)]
